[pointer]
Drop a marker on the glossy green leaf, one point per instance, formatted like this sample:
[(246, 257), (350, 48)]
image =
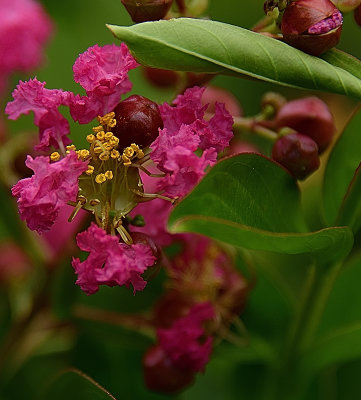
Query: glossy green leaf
[(73, 384), (209, 46), (343, 60), (249, 201), (340, 171)]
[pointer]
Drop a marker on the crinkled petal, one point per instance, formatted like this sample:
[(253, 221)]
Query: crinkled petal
[(51, 186), (110, 262)]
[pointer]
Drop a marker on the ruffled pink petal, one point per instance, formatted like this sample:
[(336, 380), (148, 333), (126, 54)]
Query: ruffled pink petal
[(51, 186), (103, 73), (184, 341), (110, 262), (187, 109)]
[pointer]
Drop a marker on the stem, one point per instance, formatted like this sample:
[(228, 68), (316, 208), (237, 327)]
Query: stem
[(285, 383), (251, 125)]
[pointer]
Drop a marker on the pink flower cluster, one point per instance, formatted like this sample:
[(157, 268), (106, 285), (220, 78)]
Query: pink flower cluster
[(103, 73), (24, 30)]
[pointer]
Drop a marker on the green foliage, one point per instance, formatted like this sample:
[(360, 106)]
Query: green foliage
[(210, 46), (249, 201)]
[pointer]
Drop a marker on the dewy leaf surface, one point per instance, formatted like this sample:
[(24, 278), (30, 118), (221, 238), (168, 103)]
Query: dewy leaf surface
[(209, 46), (249, 201), (340, 170)]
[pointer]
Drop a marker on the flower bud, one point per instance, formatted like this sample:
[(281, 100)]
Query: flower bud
[(147, 10), (346, 5), (311, 117), (161, 375), (297, 153), (138, 120), (357, 15), (313, 26), (161, 77)]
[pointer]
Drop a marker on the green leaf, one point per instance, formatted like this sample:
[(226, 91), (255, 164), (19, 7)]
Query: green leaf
[(249, 201), (340, 171), (74, 384), (343, 60), (208, 46), (350, 211)]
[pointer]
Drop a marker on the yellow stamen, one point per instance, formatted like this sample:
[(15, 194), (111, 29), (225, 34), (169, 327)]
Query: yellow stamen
[(83, 154), (97, 129), (55, 156), (100, 178), (107, 119), (90, 138), (100, 135), (114, 141), (114, 154), (108, 135), (140, 153), (71, 147), (90, 170), (108, 146), (98, 150), (109, 175), (126, 160), (104, 156), (128, 152)]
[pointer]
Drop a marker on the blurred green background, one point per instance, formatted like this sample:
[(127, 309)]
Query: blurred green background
[(108, 353)]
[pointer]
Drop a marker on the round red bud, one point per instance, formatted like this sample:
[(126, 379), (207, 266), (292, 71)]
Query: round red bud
[(161, 77), (313, 26), (311, 117), (357, 15), (297, 153), (138, 120), (147, 10), (160, 375)]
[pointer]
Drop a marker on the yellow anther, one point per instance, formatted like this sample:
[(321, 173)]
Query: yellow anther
[(108, 135), (109, 175), (100, 178), (134, 146), (98, 128), (90, 170), (71, 147), (83, 153), (107, 119), (114, 154), (128, 152), (90, 138), (98, 150), (101, 135), (104, 156), (55, 156), (126, 160), (107, 146), (112, 123), (140, 153), (114, 141), (94, 202)]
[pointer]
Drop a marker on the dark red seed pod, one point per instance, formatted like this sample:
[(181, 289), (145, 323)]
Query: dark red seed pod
[(297, 153), (313, 26), (311, 117), (147, 10), (160, 375), (138, 120)]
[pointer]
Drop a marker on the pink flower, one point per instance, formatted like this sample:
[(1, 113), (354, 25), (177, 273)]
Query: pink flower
[(103, 73), (174, 153), (32, 96), (24, 30), (110, 262), (188, 110), (186, 342), (51, 186)]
